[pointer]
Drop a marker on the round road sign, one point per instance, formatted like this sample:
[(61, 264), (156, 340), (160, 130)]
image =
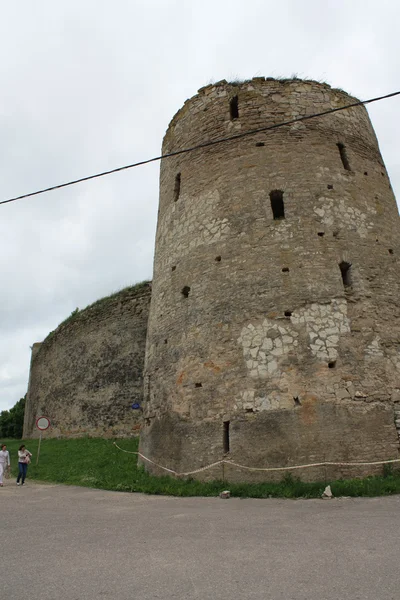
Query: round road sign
[(42, 423)]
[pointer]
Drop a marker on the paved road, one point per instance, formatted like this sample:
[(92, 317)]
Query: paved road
[(67, 543)]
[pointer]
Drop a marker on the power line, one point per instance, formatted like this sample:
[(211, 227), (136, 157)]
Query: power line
[(199, 146)]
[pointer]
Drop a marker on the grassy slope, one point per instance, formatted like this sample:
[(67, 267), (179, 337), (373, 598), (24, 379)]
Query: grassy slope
[(95, 462)]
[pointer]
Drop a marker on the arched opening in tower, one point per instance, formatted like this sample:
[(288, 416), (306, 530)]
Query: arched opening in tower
[(345, 270), (234, 108), (177, 187), (277, 205), (343, 156), (225, 438)]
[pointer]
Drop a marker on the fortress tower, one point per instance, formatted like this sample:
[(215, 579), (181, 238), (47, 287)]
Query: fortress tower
[(87, 375), (274, 328)]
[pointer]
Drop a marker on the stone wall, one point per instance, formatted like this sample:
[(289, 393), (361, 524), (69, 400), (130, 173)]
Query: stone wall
[(87, 374), (285, 329)]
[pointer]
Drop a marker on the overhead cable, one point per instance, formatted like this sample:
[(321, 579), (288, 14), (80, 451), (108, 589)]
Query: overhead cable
[(235, 136)]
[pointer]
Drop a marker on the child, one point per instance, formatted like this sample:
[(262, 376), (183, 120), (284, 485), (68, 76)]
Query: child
[(24, 458), (4, 462)]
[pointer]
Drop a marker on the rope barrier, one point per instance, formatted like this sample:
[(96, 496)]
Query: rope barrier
[(233, 464), (321, 464)]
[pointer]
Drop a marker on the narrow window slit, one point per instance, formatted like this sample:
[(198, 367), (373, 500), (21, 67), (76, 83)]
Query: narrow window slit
[(345, 270), (296, 400), (198, 385), (277, 205), (217, 259), (177, 188), (234, 108), (173, 268), (390, 250), (288, 313), (321, 233), (185, 291), (332, 364), (343, 156), (330, 186), (365, 172), (225, 438), (285, 270)]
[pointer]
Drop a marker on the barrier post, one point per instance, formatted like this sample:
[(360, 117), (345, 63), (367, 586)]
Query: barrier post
[(38, 450)]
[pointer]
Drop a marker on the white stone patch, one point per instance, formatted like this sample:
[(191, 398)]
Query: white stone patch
[(250, 402), (374, 348), (263, 345), (323, 172), (266, 343), (189, 223), (396, 361), (324, 324), (338, 212), (282, 230)]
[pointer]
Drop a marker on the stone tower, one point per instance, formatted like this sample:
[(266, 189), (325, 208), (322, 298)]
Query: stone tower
[(274, 329)]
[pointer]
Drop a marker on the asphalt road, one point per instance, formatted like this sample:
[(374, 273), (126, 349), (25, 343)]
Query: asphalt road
[(69, 543)]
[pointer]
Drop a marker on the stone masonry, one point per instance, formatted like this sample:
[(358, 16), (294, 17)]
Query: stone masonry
[(88, 373), (274, 327)]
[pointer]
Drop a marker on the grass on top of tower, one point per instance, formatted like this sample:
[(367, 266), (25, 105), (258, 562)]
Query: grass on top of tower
[(293, 78), (97, 463)]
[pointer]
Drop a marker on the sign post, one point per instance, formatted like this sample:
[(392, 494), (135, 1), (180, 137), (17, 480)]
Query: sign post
[(42, 423)]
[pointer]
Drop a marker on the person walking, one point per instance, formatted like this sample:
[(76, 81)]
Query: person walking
[(24, 458), (4, 462)]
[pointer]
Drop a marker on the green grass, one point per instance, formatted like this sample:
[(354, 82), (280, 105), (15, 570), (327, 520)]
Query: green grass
[(97, 463)]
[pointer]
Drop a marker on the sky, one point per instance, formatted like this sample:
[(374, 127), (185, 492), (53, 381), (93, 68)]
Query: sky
[(89, 86)]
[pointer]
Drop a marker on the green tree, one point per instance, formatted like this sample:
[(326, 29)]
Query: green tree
[(12, 421)]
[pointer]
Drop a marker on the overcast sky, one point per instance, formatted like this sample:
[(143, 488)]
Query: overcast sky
[(91, 85)]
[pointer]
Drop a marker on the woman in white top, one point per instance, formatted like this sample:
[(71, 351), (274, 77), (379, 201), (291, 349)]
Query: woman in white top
[(24, 458), (4, 462)]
